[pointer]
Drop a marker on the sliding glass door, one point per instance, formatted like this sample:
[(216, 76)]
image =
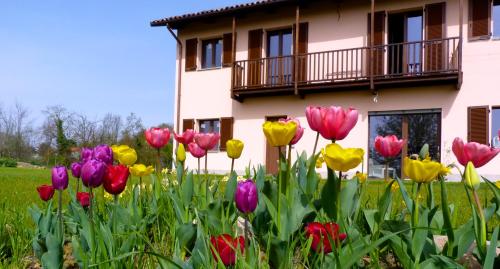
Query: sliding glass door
[(417, 127)]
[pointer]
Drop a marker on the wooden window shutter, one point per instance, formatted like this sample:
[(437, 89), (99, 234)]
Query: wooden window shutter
[(302, 49), (227, 49), (191, 52), (254, 53), (479, 18), (435, 21), (187, 124), (226, 132), (477, 124), (378, 39)]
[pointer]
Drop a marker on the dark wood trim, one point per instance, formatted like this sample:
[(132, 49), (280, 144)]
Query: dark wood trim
[(296, 49)]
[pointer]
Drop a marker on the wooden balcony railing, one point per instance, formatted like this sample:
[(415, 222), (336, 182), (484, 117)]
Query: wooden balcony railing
[(397, 63)]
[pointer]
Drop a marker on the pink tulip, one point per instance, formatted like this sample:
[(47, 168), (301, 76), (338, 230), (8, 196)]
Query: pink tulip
[(157, 137), (186, 137), (474, 152), (206, 141), (195, 150), (298, 133), (389, 146), (337, 123), (314, 119)]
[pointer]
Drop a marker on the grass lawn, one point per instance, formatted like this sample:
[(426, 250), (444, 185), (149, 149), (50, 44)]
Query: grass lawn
[(18, 192)]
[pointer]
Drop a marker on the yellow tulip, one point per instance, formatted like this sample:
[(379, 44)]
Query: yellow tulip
[(445, 170), (279, 133), (340, 159), (117, 149), (421, 171), (140, 170), (124, 154), (498, 183), (361, 177), (181, 153), (319, 162), (394, 187), (471, 176), (234, 147)]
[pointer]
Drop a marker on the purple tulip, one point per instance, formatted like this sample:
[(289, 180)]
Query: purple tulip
[(246, 196), (76, 169), (104, 154), (59, 177), (93, 173), (85, 155)]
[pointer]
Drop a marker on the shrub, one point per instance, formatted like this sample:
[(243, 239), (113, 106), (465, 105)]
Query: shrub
[(8, 162)]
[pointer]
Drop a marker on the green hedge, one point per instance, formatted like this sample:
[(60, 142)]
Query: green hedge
[(8, 162)]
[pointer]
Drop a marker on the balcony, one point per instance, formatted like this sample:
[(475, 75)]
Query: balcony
[(427, 62)]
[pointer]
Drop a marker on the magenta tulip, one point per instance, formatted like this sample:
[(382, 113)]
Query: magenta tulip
[(157, 137), (186, 137), (86, 155), (195, 150), (389, 146), (314, 118), (246, 196), (207, 141), (93, 173), (76, 169), (298, 133), (59, 177), (103, 153), (476, 153), (337, 122)]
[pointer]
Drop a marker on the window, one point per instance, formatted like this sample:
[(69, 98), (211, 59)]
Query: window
[(495, 127), (496, 18), (211, 53), (279, 66), (210, 126)]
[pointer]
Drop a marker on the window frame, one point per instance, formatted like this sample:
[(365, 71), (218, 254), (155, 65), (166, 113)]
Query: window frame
[(213, 120), (213, 42), (493, 36), (492, 131)]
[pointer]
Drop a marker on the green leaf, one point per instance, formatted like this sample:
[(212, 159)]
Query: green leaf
[(187, 189), (348, 259), (496, 193), (329, 195), (406, 197), (231, 187), (53, 258), (420, 234), (492, 251), (384, 203), (349, 198), (186, 233)]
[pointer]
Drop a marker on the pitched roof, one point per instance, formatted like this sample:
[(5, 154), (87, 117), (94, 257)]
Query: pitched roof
[(176, 21)]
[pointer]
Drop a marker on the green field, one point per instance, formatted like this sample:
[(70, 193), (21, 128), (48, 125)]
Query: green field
[(18, 192)]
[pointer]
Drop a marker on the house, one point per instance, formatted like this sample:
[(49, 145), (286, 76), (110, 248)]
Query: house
[(427, 71)]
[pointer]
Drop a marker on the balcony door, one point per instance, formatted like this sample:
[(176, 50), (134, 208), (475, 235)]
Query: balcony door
[(279, 64), (404, 55)]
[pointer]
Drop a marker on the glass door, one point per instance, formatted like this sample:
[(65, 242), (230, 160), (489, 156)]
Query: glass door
[(279, 52)]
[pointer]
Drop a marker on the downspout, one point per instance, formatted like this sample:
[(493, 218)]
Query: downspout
[(179, 77)]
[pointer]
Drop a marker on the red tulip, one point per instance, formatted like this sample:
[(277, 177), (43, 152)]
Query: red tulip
[(337, 122), (83, 198), (389, 146), (314, 118), (206, 141), (115, 179), (226, 247), (298, 133), (476, 153), (157, 137), (322, 234), (46, 192), (186, 137), (195, 150)]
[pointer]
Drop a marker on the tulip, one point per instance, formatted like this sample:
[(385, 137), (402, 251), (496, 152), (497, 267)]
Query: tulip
[(181, 153), (140, 170), (340, 159), (157, 137), (323, 234), (471, 177), (83, 198), (115, 179), (207, 141), (234, 147), (314, 118), (46, 192), (225, 247), (389, 146), (476, 153), (93, 173), (59, 177), (85, 155), (124, 154), (104, 154), (246, 196), (421, 171), (76, 169), (195, 150), (279, 133), (319, 162), (337, 122), (185, 138), (298, 133)]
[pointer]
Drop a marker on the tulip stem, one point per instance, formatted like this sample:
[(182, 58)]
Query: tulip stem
[(59, 214), (91, 218), (158, 162), (232, 167), (279, 190), (386, 171), (247, 241), (114, 217), (315, 143), (416, 205), (482, 238), (206, 176), (77, 185), (288, 167)]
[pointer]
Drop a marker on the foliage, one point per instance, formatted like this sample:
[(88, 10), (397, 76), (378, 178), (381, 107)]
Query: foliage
[(8, 162)]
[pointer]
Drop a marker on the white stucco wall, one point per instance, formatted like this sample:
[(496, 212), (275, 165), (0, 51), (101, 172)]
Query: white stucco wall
[(206, 93)]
